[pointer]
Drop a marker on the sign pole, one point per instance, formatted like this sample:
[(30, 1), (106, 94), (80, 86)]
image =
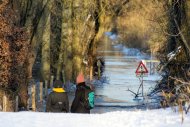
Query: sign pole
[(142, 88), (141, 72)]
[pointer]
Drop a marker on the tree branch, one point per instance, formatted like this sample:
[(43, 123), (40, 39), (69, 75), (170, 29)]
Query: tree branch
[(182, 37)]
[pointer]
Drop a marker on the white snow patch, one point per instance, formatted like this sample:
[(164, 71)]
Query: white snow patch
[(154, 77), (148, 118)]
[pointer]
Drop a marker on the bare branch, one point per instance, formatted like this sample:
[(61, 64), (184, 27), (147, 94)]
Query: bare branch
[(182, 36), (178, 80)]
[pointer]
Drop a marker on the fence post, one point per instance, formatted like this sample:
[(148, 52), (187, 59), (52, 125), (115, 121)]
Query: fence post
[(34, 97), (99, 70), (41, 91), (46, 88), (154, 68), (29, 98), (51, 81), (63, 76), (91, 72), (4, 102), (16, 104)]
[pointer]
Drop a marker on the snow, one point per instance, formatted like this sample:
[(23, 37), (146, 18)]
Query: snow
[(148, 118), (154, 77), (111, 35), (132, 52), (172, 54)]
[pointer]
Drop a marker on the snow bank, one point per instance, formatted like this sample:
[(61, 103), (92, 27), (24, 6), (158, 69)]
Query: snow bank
[(149, 118), (132, 51)]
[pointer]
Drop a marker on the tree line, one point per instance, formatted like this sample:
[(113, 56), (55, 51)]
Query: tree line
[(55, 36), (40, 38)]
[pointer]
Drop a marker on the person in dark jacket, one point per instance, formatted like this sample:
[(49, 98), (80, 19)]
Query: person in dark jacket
[(57, 100), (77, 105)]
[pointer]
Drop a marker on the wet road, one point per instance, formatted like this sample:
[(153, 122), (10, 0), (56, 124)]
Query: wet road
[(120, 72)]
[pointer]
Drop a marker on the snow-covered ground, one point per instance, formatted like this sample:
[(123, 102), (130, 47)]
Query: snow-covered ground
[(148, 118)]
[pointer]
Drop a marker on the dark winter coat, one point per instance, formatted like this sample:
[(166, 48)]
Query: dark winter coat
[(77, 105), (57, 101)]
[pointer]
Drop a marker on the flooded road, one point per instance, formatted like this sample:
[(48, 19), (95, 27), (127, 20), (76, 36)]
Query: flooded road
[(120, 74)]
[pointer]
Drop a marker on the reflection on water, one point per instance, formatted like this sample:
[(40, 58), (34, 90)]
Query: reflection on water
[(120, 69)]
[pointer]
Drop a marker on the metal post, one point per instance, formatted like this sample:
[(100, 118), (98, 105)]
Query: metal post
[(151, 63), (142, 88)]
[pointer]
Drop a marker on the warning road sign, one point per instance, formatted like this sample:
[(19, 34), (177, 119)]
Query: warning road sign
[(141, 70)]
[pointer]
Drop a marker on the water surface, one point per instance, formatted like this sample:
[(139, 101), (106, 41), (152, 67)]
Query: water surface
[(120, 71)]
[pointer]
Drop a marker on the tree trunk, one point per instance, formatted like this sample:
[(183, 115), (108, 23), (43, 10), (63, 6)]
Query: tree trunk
[(45, 59), (178, 20), (30, 15), (67, 25)]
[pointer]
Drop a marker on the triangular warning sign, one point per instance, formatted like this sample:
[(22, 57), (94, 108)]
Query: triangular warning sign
[(141, 68)]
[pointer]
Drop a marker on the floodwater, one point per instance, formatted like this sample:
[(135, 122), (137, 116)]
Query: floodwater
[(113, 95)]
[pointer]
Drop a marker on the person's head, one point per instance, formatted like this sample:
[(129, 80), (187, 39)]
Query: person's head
[(80, 79), (57, 84)]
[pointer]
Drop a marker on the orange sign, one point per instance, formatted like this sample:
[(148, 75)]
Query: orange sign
[(141, 69)]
